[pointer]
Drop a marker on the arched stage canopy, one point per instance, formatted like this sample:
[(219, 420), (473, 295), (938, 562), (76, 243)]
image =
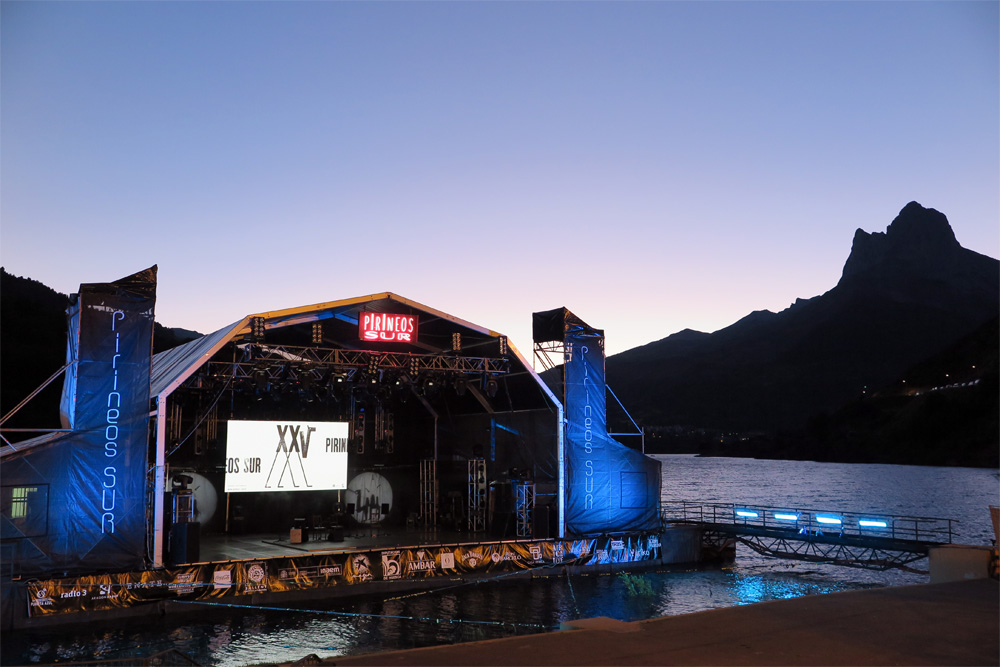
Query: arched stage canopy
[(377, 407)]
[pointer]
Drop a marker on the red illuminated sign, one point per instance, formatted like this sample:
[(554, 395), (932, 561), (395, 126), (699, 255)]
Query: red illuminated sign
[(388, 327)]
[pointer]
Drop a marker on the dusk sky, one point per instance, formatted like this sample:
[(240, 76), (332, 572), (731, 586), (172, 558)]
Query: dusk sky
[(652, 166)]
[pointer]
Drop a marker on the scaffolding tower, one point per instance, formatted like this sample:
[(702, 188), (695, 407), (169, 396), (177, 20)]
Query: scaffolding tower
[(428, 492), (477, 495), (524, 506)]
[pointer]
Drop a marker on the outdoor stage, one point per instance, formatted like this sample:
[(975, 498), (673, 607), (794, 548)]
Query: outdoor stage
[(376, 421)]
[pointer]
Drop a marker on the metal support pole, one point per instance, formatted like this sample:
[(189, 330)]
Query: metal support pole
[(159, 481)]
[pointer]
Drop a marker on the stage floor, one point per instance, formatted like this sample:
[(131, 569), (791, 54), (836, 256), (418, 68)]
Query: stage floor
[(217, 548)]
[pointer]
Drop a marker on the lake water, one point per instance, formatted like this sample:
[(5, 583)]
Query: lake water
[(231, 637)]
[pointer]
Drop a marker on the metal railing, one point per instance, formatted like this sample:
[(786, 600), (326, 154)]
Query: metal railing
[(805, 522)]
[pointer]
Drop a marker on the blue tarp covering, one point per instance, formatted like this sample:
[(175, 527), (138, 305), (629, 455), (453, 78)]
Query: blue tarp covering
[(610, 488), (94, 477)]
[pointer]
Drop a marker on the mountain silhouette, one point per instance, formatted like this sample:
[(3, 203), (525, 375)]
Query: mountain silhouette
[(904, 295), (33, 343)]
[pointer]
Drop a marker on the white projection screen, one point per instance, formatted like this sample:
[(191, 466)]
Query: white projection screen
[(286, 456)]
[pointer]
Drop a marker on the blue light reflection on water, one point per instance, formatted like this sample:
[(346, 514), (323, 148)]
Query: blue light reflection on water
[(230, 638)]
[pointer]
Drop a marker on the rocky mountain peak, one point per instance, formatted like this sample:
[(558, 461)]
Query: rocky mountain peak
[(917, 236)]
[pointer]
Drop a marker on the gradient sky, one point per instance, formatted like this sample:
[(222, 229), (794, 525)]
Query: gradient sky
[(652, 166)]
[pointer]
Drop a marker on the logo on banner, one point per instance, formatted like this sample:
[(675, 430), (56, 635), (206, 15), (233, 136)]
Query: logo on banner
[(222, 579), (654, 542), (447, 560), (42, 598), (558, 552), (391, 568), (257, 578), (536, 552), (74, 594), (106, 592), (423, 561), (472, 559), (109, 492), (361, 567), (388, 327), (507, 555), (183, 583), (332, 570), (617, 545)]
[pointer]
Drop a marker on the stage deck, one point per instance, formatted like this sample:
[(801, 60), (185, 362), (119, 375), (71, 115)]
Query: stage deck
[(221, 547)]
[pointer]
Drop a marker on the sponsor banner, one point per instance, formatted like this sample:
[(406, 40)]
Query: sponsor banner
[(291, 573)]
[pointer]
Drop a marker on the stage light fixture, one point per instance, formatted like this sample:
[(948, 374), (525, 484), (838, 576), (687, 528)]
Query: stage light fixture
[(317, 333), (829, 520), (456, 342), (257, 329), (491, 386), (872, 523), (747, 514), (503, 346), (786, 516), (460, 386)]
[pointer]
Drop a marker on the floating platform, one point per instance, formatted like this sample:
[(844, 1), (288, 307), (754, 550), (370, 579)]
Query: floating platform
[(269, 569)]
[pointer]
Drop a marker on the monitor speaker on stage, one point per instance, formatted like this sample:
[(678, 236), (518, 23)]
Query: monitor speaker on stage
[(184, 542)]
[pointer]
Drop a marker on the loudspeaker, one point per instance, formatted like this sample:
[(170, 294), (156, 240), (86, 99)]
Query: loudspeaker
[(350, 508), (184, 542), (385, 508)]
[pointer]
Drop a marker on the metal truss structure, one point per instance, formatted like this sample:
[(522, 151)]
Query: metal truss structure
[(294, 363), (814, 551), (428, 492), (874, 542), (550, 354), (476, 510), (524, 507)]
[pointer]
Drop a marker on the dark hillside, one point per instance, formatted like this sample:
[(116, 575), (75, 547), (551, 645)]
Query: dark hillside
[(33, 347)]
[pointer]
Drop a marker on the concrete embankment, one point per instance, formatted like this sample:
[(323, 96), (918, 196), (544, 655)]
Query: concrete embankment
[(955, 623)]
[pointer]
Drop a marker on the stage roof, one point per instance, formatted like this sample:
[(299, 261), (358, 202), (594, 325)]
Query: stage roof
[(172, 367)]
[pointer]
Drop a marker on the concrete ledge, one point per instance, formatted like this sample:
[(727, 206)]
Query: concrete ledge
[(600, 623), (934, 624), (959, 562)]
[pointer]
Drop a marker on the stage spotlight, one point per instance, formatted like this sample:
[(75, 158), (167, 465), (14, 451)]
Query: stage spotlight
[(257, 329), (490, 386), (317, 333), (456, 342), (503, 346)]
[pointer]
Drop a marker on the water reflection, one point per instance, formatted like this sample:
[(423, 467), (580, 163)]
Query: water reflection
[(232, 637)]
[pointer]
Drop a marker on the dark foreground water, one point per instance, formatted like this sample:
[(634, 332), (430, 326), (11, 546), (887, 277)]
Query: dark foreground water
[(226, 636)]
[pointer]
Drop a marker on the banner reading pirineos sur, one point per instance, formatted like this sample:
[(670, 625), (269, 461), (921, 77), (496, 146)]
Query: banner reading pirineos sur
[(610, 488), (588, 502), (98, 515)]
